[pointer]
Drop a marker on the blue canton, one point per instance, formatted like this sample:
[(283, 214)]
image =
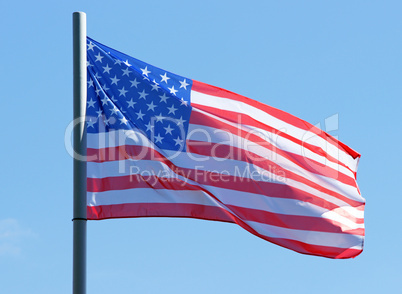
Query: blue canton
[(127, 94)]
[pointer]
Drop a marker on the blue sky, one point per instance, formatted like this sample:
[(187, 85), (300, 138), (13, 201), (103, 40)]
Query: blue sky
[(313, 59)]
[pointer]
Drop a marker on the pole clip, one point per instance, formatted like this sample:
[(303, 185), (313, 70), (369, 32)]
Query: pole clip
[(79, 218)]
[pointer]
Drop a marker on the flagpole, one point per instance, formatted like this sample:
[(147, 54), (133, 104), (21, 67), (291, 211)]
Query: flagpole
[(80, 139)]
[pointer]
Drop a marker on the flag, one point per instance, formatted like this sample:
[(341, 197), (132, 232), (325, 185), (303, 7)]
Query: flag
[(163, 145)]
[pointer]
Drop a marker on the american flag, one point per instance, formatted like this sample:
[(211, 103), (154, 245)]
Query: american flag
[(160, 144)]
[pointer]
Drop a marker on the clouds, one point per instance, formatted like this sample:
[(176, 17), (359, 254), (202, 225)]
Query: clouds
[(12, 237)]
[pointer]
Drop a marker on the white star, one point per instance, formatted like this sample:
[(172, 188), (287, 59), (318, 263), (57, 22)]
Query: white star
[(126, 63), (131, 103), (123, 120), (163, 98), (91, 103), (178, 141), (151, 106), (97, 91), (90, 46), (115, 80), (105, 100), (99, 112), (97, 75), (106, 121), (164, 78), (139, 115), (122, 92), (183, 102), (134, 83), (180, 121), (159, 117), (155, 86), (143, 94), (149, 127), (114, 110), (99, 57), (126, 72), (145, 71), (172, 90), (107, 69), (105, 88), (158, 139), (184, 84), (90, 123), (172, 109), (168, 130), (89, 64), (118, 61), (90, 83)]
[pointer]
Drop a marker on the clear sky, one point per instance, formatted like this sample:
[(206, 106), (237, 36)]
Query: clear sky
[(324, 61)]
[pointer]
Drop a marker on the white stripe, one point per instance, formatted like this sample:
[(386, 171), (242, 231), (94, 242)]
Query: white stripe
[(353, 211), (262, 116), (147, 195), (333, 215)]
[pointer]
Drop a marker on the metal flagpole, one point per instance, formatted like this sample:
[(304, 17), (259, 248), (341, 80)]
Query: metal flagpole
[(80, 140)]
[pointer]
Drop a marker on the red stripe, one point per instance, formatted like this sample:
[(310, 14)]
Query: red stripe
[(208, 213), (304, 162), (96, 185), (324, 251), (158, 209), (284, 116)]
